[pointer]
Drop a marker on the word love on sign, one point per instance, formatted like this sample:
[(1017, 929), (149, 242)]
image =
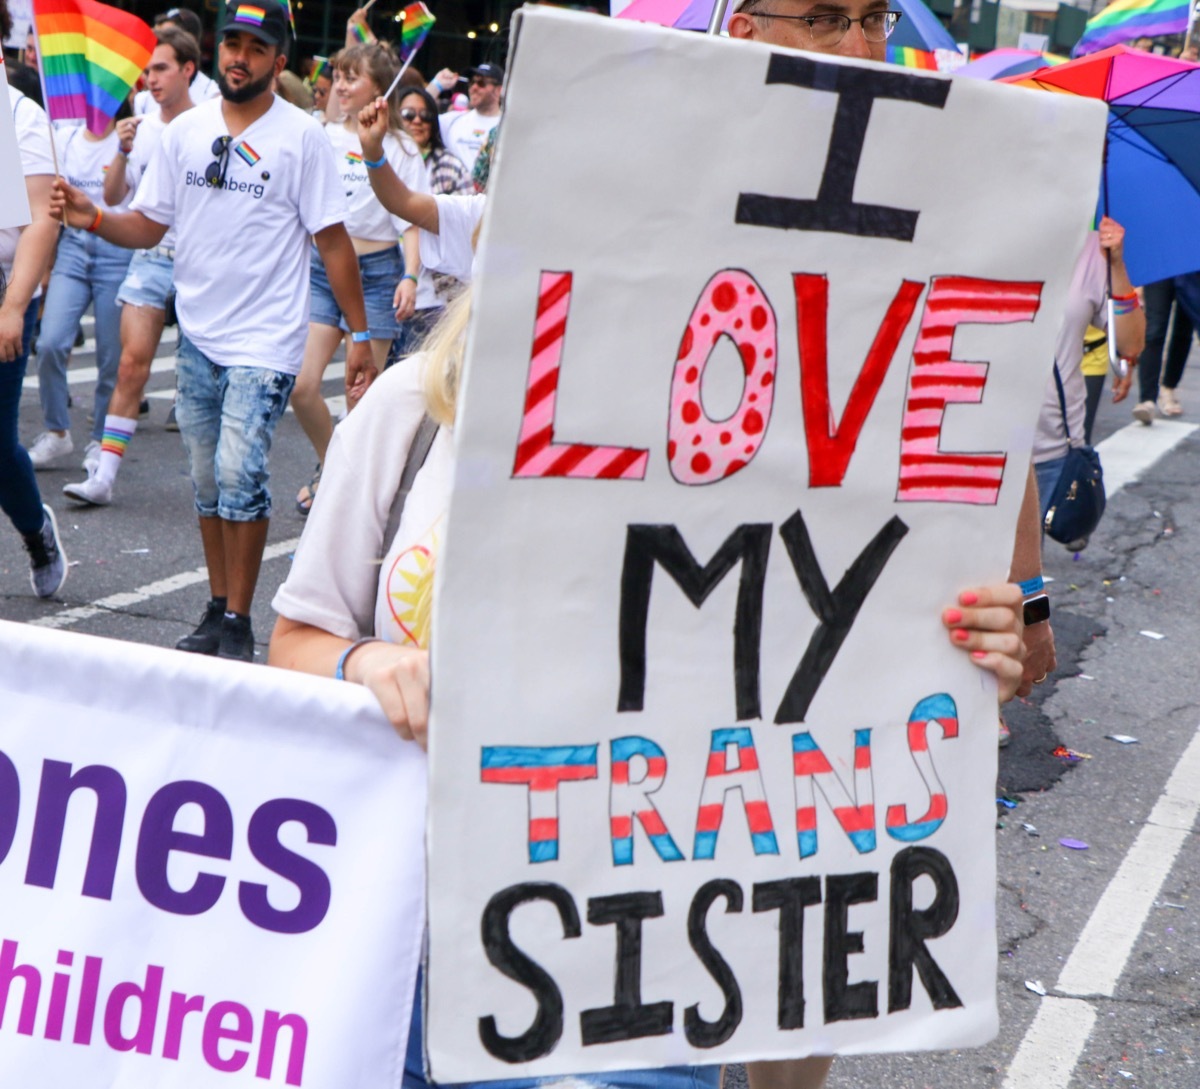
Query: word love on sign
[(747, 404)]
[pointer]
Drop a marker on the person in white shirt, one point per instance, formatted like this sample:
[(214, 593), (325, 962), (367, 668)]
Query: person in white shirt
[(362, 73), (465, 133), (87, 272), (25, 254), (245, 180), (203, 87), (149, 281)]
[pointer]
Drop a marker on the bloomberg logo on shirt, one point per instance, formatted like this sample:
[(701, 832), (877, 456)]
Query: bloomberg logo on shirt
[(230, 185)]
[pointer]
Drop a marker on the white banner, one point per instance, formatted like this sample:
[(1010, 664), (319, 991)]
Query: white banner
[(21, 13), (14, 201), (741, 415), (211, 874)]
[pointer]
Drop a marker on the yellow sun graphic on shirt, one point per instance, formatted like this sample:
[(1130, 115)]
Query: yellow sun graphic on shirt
[(410, 591)]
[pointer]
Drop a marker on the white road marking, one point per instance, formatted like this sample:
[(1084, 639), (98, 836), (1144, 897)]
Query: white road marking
[(1128, 453), (151, 590), (1051, 1047), (78, 375)]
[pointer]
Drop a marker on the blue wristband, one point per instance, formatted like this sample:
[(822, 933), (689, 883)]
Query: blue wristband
[(361, 338), (374, 164), (1031, 586), (340, 672)]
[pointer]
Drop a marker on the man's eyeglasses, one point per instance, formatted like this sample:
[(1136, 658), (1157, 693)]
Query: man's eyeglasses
[(828, 30), (410, 115), (479, 81), (215, 174)]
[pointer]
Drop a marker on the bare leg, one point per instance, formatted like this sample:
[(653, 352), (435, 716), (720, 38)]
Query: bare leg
[(243, 549), (309, 405), (213, 540), (141, 330), (789, 1073)]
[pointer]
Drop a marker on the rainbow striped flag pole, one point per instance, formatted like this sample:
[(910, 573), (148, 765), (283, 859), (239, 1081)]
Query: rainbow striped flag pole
[(1128, 19), (90, 55)]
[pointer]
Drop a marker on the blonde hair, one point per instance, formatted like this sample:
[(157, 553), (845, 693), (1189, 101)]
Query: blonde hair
[(444, 349)]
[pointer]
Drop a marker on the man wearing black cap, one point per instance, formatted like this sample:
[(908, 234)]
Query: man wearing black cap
[(245, 180), (465, 133)]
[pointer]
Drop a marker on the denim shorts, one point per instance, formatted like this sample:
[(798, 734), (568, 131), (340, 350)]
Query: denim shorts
[(150, 280), (227, 418), (380, 274)]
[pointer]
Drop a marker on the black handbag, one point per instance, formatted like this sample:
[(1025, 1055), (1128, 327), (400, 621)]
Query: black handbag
[(1078, 500)]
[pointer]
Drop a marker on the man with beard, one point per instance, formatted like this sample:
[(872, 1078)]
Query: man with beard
[(245, 180), (464, 134)]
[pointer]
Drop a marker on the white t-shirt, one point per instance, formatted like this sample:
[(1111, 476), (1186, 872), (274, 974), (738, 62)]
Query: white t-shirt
[(368, 219), (466, 133), (37, 157), (451, 250), (202, 88), (145, 143), (1085, 306), (337, 582), (85, 162), (241, 267)]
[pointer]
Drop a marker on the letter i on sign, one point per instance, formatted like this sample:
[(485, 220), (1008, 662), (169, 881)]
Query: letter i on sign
[(538, 452)]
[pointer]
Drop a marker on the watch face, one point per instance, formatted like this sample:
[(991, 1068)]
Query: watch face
[(1037, 609)]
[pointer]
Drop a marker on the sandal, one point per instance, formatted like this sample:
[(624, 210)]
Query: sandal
[(306, 495)]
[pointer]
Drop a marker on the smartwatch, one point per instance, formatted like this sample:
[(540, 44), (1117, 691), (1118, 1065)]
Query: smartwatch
[(1037, 610)]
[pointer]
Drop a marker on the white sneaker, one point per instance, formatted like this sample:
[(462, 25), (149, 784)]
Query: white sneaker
[(48, 447), (94, 491), (1168, 403), (1144, 412), (91, 457)]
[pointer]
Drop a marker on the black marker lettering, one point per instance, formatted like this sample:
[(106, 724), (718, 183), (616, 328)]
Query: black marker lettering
[(701, 1033), (911, 929)]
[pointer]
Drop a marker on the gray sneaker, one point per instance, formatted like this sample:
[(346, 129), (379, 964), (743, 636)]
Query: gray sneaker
[(47, 560)]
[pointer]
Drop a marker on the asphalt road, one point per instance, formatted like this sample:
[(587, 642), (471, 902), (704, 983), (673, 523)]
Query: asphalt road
[(1128, 653)]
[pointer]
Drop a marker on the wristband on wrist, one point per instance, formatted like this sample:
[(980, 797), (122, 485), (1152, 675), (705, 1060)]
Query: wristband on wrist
[(374, 164), (340, 672), (361, 338), (1032, 586), (408, 276), (95, 223), (123, 152), (1124, 298)]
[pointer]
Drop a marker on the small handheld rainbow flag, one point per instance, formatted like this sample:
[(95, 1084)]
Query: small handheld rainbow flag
[(1129, 19), (91, 55), (418, 21), (320, 67)]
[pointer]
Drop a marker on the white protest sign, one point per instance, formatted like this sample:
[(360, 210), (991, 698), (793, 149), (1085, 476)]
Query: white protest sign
[(212, 875), (14, 201), (740, 417), (21, 13)]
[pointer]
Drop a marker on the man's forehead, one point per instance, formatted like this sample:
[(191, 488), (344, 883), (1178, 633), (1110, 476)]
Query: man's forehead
[(853, 8)]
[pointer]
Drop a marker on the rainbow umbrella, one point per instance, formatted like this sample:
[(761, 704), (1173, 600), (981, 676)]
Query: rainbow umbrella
[(662, 12), (920, 40), (1000, 63), (1151, 180)]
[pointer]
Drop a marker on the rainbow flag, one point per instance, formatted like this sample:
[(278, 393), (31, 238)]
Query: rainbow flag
[(320, 67), (1129, 19), (91, 56), (246, 153), (418, 21), (908, 57)]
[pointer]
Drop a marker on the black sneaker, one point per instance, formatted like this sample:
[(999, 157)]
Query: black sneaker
[(144, 407), (237, 639), (206, 639)]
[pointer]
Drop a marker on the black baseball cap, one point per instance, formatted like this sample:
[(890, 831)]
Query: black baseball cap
[(488, 71), (267, 20)]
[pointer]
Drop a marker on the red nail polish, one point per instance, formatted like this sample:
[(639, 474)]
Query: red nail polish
[(953, 616), (969, 597), (979, 654), (960, 635)]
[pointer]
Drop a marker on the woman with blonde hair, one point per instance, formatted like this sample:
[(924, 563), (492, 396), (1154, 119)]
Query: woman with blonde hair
[(374, 540), (361, 74)]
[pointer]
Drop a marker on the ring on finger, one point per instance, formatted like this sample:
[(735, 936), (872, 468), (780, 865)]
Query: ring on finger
[(1040, 679)]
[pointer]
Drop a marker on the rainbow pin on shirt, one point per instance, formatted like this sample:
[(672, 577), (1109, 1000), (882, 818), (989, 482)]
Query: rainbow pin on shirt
[(246, 153), (354, 158)]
